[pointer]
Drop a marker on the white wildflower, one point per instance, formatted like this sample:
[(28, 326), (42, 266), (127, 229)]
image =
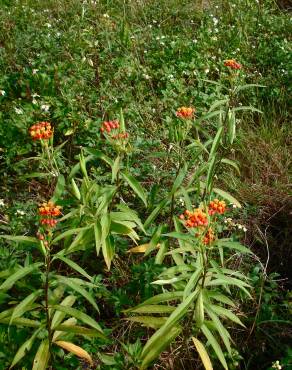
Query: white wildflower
[(215, 21), (2, 92), (207, 70), (18, 110), (48, 25), (45, 107), (2, 204), (106, 15), (35, 71), (244, 229), (20, 213)]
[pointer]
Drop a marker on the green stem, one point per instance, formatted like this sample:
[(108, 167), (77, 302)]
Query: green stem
[(46, 291)]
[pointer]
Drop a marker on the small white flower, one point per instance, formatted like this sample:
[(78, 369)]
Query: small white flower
[(2, 92), (45, 107), (58, 34), (34, 101), (234, 206), (19, 212), (154, 21), (207, 70), (48, 25), (35, 71), (18, 110), (2, 204), (215, 20), (147, 77), (239, 226), (106, 15), (195, 41), (157, 38), (244, 229), (162, 43), (162, 37), (35, 95), (145, 51)]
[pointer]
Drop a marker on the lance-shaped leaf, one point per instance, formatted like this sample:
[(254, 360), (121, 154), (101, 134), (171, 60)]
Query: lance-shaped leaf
[(60, 187), (162, 334), (108, 250), (203, 354), (24, 349), (59, 315), (155, 351), (74, 266), (42, 356), (220, 328), (23, 271), (78, 351), (135, 185), (148, 321), (78, 288), (227, 196), (217, 349), (24, 306), (80, 316)]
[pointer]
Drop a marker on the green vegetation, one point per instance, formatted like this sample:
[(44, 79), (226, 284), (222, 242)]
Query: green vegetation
[(145, 203)]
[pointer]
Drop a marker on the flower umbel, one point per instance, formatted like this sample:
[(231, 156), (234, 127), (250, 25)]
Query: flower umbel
[(41, 131), (195, 219), (216, 206), (48, 211), (110, 128), (185, 112), (231, 63)]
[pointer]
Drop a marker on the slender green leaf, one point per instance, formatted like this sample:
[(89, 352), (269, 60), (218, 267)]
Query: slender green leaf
[(24, 349), (79, 289), (155, 212), (155, 351), (135, 185), (227, 196), (42, 356), (115, 168), (215, 345), (59, 315), (22, 272), (74, 266), (24, 305), (60, 187), (148, 321), (80, 316)]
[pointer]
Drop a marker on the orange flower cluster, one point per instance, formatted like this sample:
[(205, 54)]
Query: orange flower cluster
[(195, 218), (209, 237), (41, 131), (216, 206), (109, 125), (185, 112), (232, 64), (47, 212)]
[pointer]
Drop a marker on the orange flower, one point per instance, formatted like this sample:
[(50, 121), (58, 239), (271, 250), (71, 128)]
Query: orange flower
[(49, 210), (185, 112), (232, 64), (216, 206), (41, 131), (196, 218), (109, 125), (209, 236)]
